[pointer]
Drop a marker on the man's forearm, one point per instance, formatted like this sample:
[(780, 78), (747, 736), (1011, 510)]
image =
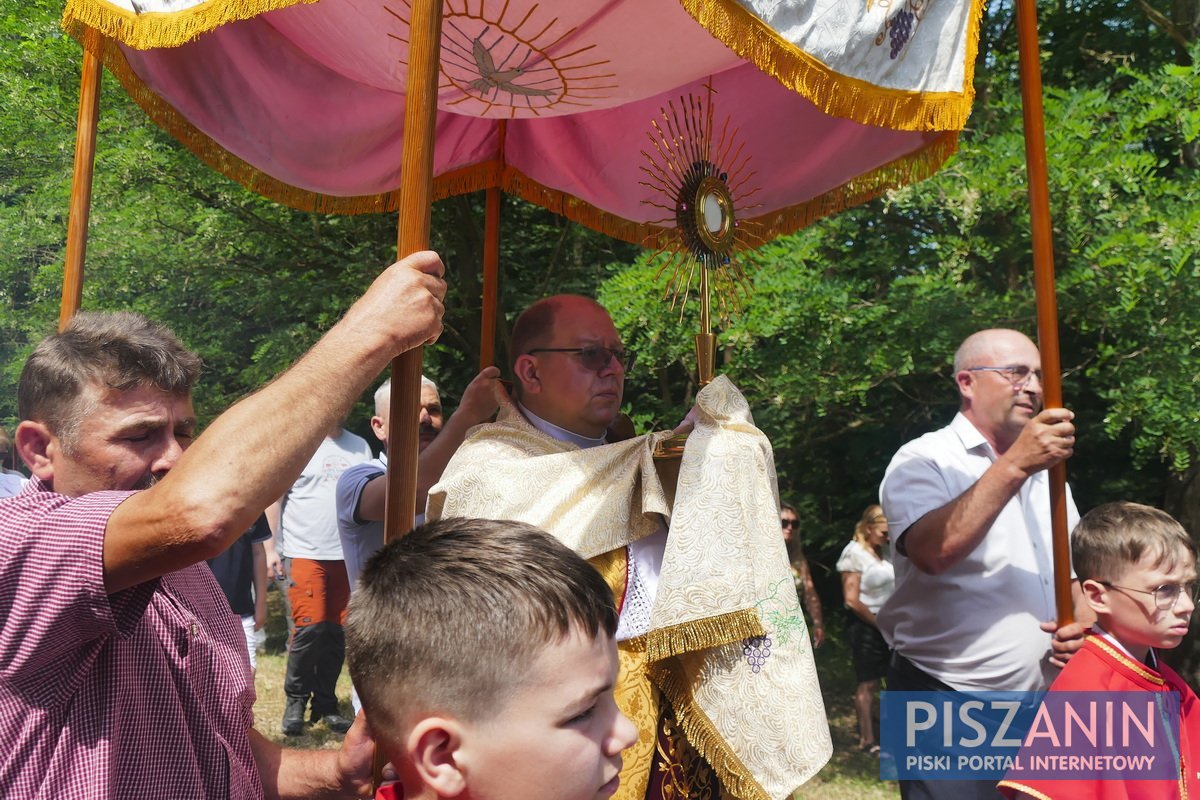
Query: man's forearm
[(293, 774), (432, 461), (212, 494)]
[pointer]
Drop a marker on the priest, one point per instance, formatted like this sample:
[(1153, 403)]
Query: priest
[(716, 666)]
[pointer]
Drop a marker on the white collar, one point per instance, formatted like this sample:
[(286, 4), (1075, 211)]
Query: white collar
[(970, 436), (556, 432)]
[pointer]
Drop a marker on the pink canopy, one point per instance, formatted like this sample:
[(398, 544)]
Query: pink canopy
[(830, 102)]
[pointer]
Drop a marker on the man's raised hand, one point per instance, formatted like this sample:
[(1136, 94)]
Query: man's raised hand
[(404, 304), (1048, 439)]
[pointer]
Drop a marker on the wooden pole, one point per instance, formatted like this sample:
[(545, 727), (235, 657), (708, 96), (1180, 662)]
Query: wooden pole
[(416, 199), (491, 278), (81, 179), (1043, 278), (491, 262)]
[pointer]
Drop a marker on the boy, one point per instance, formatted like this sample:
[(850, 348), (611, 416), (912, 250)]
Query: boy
[(484, 656), (1137, 568)]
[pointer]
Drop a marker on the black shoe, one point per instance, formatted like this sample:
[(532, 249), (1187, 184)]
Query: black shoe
[(293, 716), (337, 723)]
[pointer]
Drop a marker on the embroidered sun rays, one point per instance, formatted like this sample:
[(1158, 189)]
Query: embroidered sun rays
[(512, 61), (703, 182)]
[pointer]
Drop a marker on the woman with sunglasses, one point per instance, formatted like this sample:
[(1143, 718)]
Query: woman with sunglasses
[(867, 581), (789, 521)]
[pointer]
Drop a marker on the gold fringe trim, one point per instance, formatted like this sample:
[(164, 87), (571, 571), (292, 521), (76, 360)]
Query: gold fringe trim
[(1133, 666), (517, 183), (702, 734), (163, 28), (907, 169), (702, 634), (836, 94)]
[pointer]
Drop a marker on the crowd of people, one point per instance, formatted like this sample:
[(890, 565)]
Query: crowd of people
[(567, 612)]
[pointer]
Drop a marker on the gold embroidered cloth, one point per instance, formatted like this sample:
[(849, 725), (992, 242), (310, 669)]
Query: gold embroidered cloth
[(727, 645)]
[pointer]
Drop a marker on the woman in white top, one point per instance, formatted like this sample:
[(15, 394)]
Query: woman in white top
[(867, 581)]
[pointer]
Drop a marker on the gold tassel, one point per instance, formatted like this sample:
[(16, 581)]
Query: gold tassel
[(833, 93), (165, 28), (700, 732), (701, 634)]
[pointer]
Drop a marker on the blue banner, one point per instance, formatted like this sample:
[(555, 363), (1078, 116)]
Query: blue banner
[(1029, 735)]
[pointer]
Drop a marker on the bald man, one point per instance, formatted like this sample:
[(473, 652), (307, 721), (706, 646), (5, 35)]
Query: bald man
[(974, 603)]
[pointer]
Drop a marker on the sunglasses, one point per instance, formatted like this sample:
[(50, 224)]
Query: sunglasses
[(789, 523), (594, 357)]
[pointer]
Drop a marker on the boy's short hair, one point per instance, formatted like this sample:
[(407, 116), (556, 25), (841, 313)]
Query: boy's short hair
[(1112, 537), (450, 617)]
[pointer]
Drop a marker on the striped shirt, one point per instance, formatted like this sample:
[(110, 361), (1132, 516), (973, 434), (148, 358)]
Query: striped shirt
[(143, 693)]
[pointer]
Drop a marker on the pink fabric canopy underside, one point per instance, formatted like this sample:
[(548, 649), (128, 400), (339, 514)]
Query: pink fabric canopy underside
[(312, 95)]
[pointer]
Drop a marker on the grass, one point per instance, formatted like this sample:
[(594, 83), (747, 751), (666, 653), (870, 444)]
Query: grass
[(849, 775)]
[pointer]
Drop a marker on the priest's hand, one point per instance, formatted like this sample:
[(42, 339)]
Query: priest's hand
[(689, 422)]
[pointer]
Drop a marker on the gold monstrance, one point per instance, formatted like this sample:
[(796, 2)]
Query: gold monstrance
[(703, 184)]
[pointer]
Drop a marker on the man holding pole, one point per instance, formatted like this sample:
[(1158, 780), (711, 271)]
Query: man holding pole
[(974, 565), (115, 632)]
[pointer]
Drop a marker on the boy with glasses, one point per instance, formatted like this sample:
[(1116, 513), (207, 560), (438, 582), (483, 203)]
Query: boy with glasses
[(1137, 566)]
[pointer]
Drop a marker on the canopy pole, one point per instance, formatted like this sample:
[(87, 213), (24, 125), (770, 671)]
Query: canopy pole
[(491, 277), (1043, 278), (491, 260), (416, 199), (81, 179)]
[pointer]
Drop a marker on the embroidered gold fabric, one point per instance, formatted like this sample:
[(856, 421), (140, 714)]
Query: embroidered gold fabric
[(679, 772), (639, 700), (727, 644)]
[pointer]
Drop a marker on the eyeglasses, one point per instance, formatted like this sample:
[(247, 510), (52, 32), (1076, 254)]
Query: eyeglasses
[(789, 523), (1018, 376), (1165, 596), (594, 357)]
